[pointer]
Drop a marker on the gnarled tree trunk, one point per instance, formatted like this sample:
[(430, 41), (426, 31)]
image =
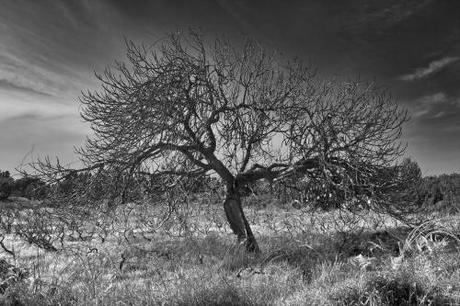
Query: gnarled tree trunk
[(237, 220)]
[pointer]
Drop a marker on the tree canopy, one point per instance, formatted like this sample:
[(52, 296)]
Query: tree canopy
[(189, 107)]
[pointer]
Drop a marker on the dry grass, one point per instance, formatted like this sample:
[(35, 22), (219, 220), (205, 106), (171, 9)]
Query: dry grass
[(304, 262)]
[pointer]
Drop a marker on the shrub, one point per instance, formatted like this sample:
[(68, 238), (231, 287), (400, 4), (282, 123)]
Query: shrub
[(9, 275), (30, 187), (389, 289), (6, 185)]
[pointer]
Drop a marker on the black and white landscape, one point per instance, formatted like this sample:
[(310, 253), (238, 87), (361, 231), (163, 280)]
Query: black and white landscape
[(222, 152)]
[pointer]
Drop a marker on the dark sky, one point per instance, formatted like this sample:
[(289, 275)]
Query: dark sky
[(50, 48)]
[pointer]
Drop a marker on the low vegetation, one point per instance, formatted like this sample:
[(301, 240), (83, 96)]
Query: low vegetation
[(307, 258)]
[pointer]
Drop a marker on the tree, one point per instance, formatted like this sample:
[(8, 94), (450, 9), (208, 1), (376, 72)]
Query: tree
[(189, 108)]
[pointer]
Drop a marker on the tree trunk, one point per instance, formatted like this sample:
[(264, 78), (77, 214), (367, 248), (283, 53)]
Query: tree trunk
[(237, 220)]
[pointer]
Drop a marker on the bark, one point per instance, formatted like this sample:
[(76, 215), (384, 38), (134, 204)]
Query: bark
[(238, 222)]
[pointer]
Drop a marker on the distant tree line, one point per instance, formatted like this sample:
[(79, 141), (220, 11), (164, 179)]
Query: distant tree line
[(442, 192), (93, 186), (27, 186)]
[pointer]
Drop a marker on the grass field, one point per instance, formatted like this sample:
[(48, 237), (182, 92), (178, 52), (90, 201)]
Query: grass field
[(191, 258)]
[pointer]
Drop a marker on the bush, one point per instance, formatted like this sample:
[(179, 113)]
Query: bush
[(404, 287), (9, 275), (6, 185), (30, 187)]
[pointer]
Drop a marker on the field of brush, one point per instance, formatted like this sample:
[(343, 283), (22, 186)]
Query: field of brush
[(155, 255)]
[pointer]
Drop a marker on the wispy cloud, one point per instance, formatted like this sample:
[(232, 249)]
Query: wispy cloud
[(22, 73), (435, 106), (432, 67), (10, 85), (425, 105), (436, 98), (440, 114), (17, 104)]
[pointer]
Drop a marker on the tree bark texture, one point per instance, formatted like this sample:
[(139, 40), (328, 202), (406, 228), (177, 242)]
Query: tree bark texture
[(238, 222)]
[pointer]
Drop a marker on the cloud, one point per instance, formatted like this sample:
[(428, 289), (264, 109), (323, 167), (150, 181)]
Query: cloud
[(436, 120), (22, 73), (436, 98), (432, 67), (17, 104), (440, 114), (13, 86), (426, 104), (457, 102), (57, 56)]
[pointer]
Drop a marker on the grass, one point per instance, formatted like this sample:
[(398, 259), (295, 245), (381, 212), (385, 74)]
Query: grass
[(305, 261)]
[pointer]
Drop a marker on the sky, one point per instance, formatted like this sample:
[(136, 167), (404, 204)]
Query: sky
[(50, 49)]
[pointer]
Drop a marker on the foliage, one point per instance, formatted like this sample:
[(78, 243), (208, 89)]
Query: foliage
[(388, 290), (30, 187), (444, 189), (9, 275), (6, 185), (395, 190)]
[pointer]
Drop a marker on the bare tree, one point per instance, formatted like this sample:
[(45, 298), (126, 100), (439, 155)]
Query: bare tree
[(189, 107)]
